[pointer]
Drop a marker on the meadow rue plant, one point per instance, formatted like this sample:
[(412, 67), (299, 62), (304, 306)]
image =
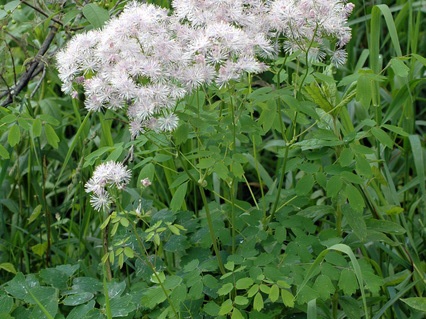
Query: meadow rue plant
[(280, 193)]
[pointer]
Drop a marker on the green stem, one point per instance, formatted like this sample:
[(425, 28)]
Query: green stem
[(280, 184), (107, 303), (211, 230), (154, 271), (105, 249), (339, 216)]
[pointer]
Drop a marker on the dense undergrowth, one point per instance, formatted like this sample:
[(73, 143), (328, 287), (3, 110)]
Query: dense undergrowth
[(296, 192)]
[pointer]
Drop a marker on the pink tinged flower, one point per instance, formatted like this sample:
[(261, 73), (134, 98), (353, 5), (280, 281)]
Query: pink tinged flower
[(339, 57), (167, 123), (100, 201), (145, 182), (105, 176), (135, 128)]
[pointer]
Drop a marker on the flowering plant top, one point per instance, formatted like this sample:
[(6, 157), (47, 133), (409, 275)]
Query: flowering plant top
[(146, 60)]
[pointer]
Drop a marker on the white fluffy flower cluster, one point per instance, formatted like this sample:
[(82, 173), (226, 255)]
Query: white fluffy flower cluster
[(308, 26), (105, 177), (146, 60)]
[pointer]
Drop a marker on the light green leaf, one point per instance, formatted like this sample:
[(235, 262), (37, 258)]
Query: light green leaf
[(236, 314), (241, 300), (226, 307), (311, 312), (274, 293), (258, 302), (36, 212), (399, 67), (206, 163), (244, 283), (225, 289), (221, 170), (10, 118), (418, 303), (396, 129), (39, 249), (14, 135), (287, 298), (96, 15), (4, 153), (382, 137), (8, 267), (36, 128)]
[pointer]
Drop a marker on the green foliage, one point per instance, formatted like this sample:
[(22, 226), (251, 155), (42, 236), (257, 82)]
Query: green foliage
[(298, 193)]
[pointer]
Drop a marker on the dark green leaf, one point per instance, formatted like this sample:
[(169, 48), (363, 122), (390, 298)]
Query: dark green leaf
[(305, 185), (346, 157), (179, 197), (350, 307), (78, 299), (181, 133), (355, 220), (334, 186), (6, 303), (363, 166), (324, 286), (80, 312), (348, 282), (385, 226), (51, 136), (356, 201), (212, 309), (152, 297)]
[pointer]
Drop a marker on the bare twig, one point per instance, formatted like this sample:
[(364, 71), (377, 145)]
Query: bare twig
[(42, 12), (34, 68), (40, 81)]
